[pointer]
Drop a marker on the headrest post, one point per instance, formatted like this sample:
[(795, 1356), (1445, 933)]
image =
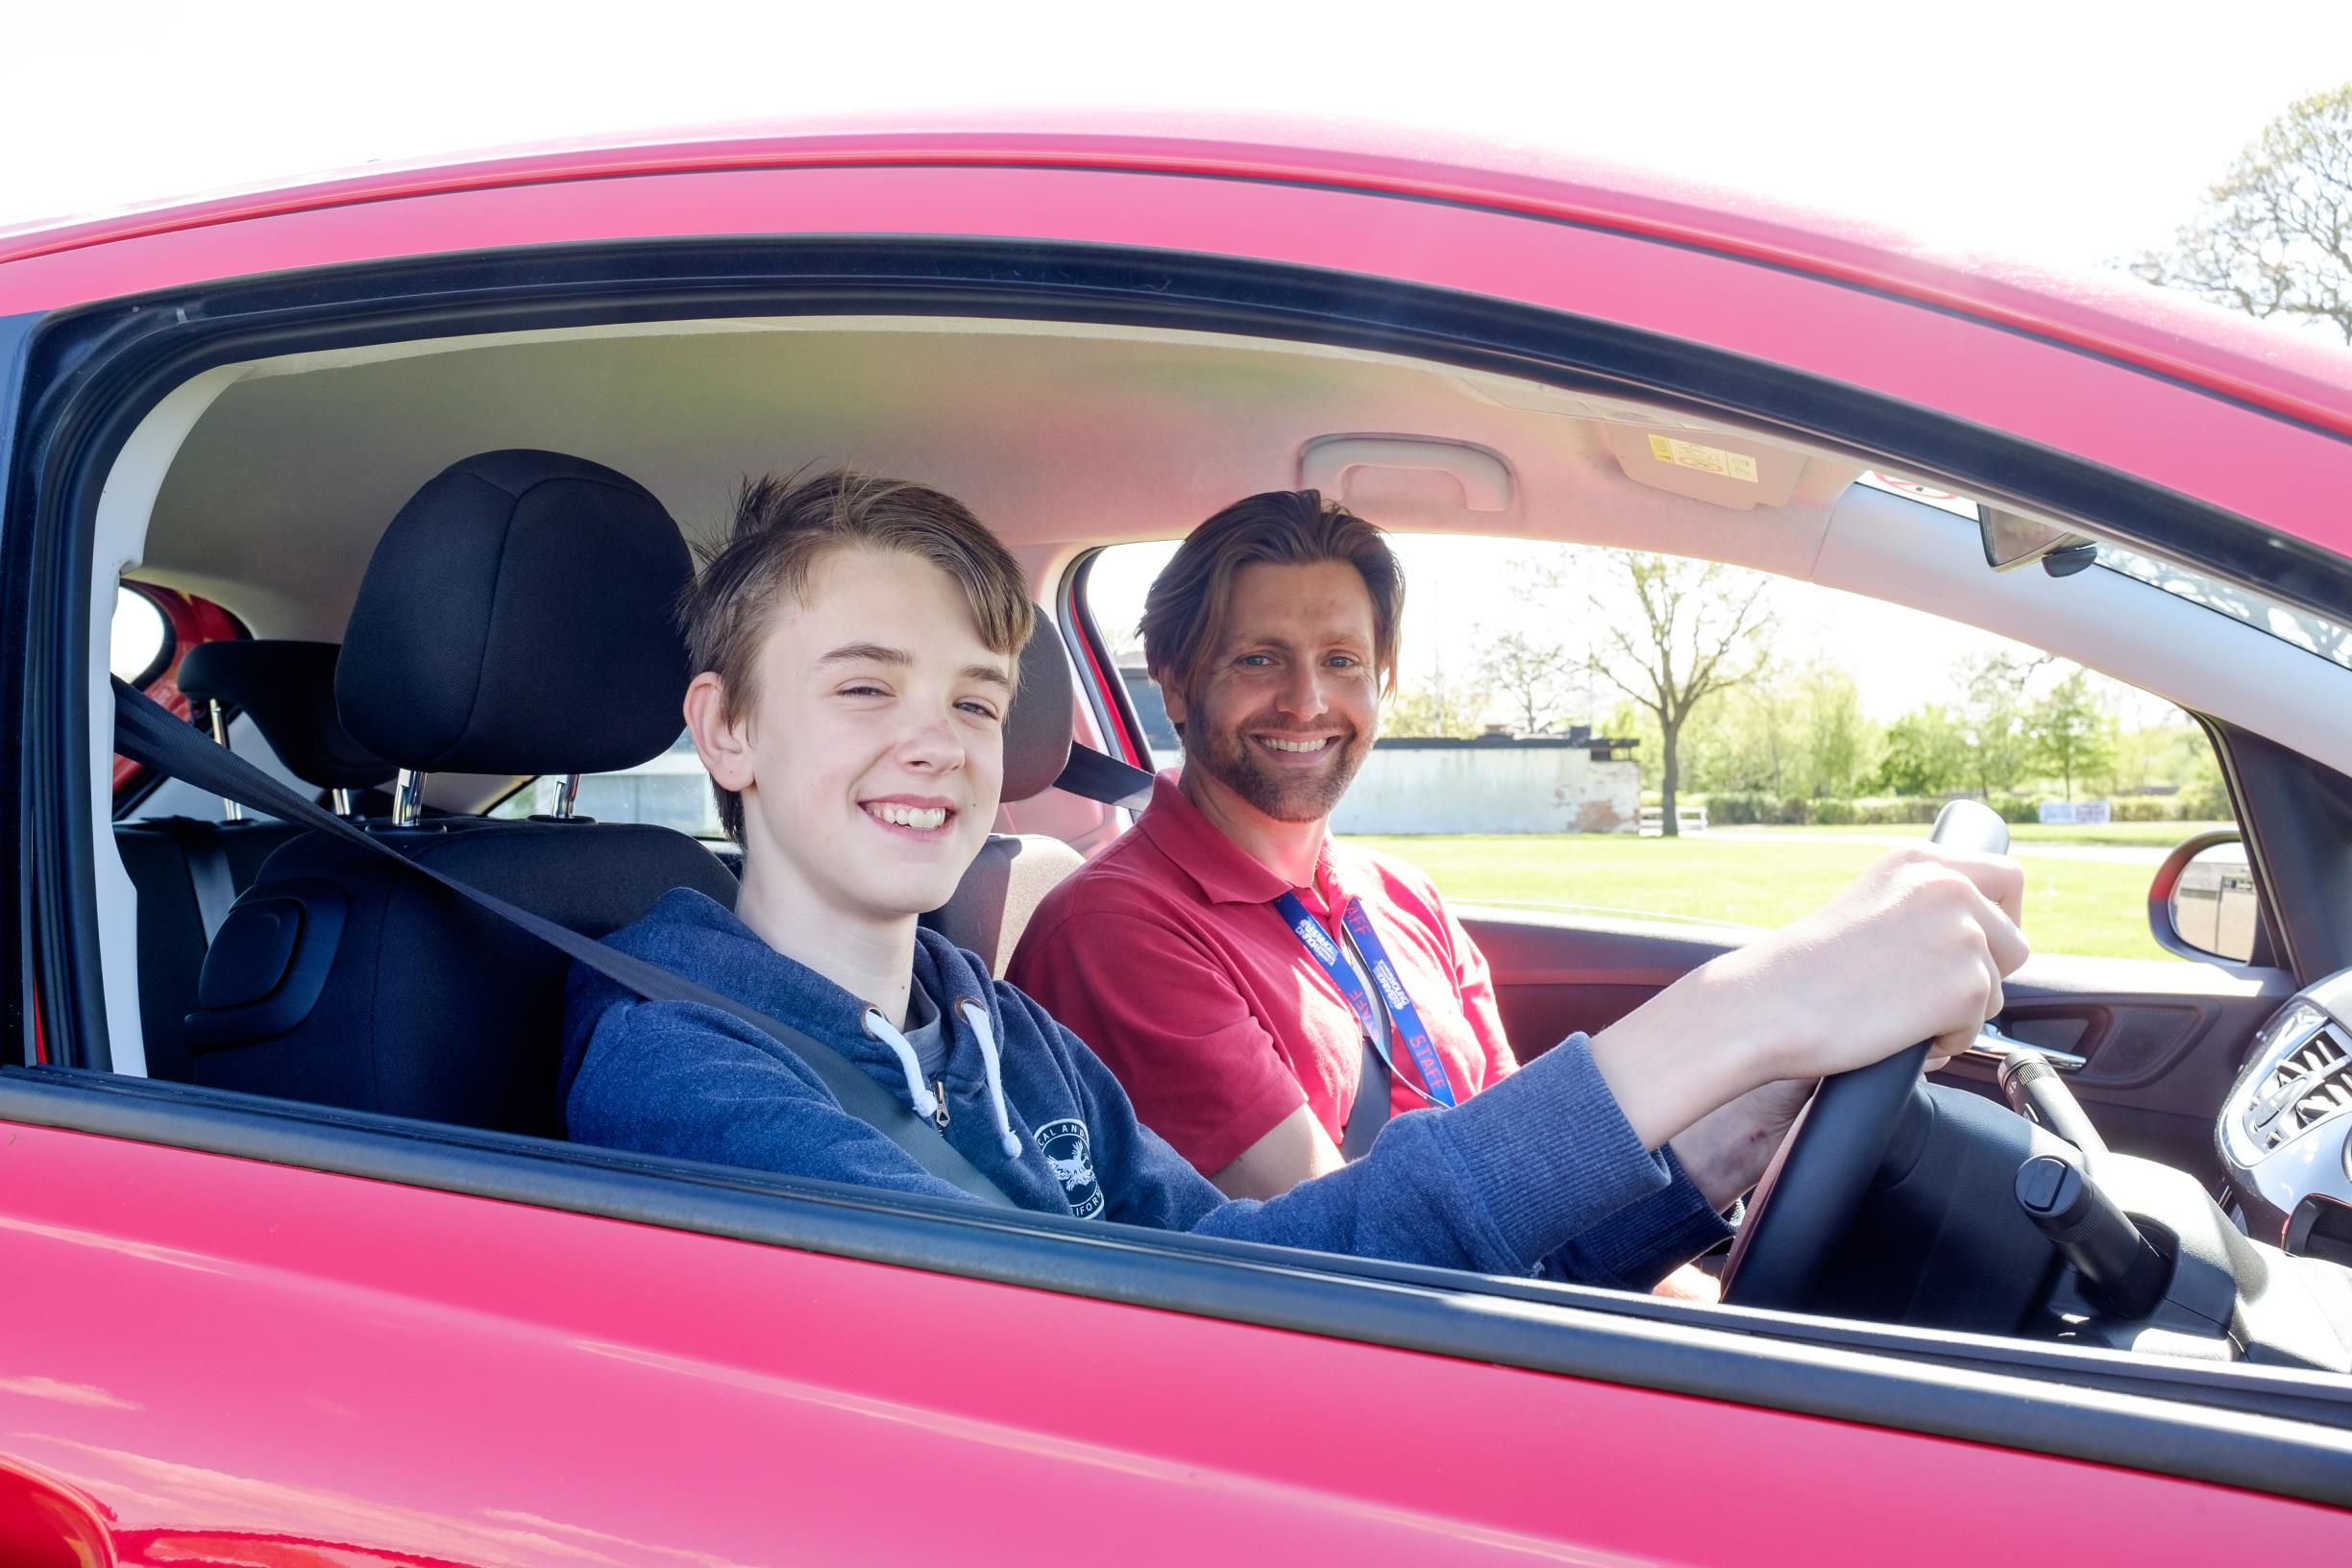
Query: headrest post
[(408, 799), (342, 802), (567, 796), (234, 813)]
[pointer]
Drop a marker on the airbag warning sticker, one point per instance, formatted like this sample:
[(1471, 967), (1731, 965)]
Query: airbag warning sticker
[(1705, 460)]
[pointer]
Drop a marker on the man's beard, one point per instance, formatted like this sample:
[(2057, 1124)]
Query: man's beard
[(1229, 757)]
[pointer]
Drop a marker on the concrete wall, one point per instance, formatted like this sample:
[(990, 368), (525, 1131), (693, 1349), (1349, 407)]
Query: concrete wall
[(1538, 786)]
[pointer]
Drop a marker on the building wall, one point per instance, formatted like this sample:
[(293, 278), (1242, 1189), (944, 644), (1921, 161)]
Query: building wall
[(1490, 787)]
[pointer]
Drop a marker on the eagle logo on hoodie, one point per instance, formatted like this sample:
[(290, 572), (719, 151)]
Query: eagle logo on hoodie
[(1070, 1157)]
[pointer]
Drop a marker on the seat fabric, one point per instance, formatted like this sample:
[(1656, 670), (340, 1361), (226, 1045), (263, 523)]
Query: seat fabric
[(171, 933), (432, 1007)]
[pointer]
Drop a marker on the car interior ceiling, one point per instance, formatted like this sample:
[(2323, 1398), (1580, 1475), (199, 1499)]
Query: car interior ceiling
[(316, 498)]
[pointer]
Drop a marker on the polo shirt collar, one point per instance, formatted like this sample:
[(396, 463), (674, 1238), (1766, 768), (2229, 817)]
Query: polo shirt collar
[(1224, 872)]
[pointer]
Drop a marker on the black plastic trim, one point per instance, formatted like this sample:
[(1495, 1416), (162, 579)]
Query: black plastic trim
[(2265, 1430), (17, 910), (1078, 628)]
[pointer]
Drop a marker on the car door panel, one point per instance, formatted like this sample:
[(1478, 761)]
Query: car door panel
[(2160, 1039), (249, 1353)]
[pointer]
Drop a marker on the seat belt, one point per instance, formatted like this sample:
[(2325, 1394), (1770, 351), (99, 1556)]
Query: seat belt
[(1094, 775), (150, 734), (208, 868), (1370, 1112)]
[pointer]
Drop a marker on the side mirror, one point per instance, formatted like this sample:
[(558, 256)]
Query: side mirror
[(2202, 903)]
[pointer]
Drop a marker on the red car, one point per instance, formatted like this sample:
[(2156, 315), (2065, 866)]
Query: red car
[(301, 1273)]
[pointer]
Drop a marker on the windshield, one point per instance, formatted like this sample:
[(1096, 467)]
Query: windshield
[(2314, 634)]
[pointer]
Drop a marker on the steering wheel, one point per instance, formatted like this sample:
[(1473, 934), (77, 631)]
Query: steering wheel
[(1814, 1186)]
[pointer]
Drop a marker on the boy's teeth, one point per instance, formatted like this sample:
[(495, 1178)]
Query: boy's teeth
[(921, 818), (1294, 745)]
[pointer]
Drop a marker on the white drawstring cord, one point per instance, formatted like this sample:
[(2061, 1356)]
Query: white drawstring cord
[(926, 1104), (977, 1016)]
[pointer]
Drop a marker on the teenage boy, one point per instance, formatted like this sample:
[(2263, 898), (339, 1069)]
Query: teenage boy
[(857, 641)]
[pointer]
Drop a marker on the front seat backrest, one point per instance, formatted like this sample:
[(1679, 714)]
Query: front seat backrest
[(516, 618), (1014, 871)]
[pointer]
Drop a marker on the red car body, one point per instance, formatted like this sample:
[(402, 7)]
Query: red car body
[(206, 1358)]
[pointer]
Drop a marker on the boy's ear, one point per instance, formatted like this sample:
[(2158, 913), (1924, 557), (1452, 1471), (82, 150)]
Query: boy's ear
[(724, 746)]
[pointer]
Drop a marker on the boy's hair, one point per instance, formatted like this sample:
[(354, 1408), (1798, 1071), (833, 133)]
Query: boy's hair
[(786, 523), (1185, 611)]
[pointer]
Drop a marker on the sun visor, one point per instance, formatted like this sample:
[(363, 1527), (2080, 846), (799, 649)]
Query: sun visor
[(1705, 465)]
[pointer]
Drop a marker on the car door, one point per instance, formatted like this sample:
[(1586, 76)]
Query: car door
[(243, 1330)]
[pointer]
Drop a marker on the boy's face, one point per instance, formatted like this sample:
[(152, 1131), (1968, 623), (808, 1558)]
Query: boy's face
[(871, 755)]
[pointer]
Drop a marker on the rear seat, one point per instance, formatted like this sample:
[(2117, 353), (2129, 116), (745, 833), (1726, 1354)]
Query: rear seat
[(178, 866)]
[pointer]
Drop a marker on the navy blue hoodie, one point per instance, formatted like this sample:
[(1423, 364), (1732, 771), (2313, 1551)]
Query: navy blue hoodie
[(1540, 1174)]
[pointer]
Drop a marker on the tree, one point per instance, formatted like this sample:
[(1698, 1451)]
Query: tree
[(2000, 750), (2275, 235), (1689, 630), (1926, 753), (2070, 730), (1436, 707), (1531, 672), (1841, 742)]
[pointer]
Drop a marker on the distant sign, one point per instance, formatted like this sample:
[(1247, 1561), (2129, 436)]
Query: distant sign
[(2076, 814)]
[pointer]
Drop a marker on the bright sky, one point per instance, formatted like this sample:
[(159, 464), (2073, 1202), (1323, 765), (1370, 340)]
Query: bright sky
[(2072, 133)]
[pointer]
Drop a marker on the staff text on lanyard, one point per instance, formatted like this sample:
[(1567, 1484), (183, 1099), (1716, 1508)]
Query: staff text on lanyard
[(1435, 1086)]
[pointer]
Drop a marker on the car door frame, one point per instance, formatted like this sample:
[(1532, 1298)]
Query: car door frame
[(109, 364)]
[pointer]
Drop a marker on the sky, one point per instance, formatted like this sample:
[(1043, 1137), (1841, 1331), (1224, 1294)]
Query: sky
[(2069, 134)]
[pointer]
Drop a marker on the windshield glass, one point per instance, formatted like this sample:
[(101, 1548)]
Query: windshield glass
[(2316, 635)]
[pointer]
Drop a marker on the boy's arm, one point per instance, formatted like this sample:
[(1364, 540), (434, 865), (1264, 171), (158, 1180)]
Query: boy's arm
[(1186, 1049), (691, 1082), (1498, 1184)]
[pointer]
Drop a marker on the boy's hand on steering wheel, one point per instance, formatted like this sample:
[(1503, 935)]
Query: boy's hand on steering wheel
[(1913, 949)]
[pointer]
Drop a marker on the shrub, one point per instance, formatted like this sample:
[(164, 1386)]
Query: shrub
[(1833, 812)]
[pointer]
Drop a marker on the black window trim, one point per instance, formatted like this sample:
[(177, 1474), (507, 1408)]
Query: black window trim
[(96, 371)]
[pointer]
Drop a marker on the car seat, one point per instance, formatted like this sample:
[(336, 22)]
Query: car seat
[(515, 619)]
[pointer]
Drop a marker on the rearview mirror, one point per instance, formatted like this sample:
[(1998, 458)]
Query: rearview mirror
[(2202, 903), (2013, 541)]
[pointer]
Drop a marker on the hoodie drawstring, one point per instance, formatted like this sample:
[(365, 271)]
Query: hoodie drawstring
[(927, 1103), (977, 1016)]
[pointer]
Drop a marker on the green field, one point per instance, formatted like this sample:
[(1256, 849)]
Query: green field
[(2145, 835), (1769, 876)]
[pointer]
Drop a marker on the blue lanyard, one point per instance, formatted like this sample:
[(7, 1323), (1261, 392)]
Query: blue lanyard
[(1319, 942)]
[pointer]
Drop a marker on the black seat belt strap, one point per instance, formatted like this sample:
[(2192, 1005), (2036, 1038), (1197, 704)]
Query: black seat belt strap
[(149, 733), (207, 868), (1370, 1112), (1092, 775)]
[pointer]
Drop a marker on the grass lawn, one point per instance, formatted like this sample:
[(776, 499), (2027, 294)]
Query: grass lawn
[(1766, 878), (2145, 835)]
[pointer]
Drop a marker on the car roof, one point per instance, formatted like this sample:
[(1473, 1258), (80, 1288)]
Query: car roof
[(2285, 371)]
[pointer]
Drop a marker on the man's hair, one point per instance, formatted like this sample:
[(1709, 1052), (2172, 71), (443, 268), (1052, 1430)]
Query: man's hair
[(1185, 611), (785, 524)]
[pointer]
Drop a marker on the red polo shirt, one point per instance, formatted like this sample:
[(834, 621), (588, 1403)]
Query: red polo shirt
[(1167, 956)]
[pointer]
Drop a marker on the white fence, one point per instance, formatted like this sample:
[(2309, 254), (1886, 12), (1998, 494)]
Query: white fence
[(1687, 819)]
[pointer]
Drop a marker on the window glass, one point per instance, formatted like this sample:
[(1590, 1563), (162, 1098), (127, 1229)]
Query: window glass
[(140, 640), (670, 791), (1522, 761)]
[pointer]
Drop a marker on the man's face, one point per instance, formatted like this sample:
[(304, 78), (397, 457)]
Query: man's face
[(874, 747), (1287, 701)]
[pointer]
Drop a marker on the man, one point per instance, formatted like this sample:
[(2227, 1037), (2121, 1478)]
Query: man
[(1227, 958), (856, 641)]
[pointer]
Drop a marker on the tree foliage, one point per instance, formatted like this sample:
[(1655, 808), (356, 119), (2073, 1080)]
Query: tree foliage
[(2274, 238), (1926, 753), (2071, 732)]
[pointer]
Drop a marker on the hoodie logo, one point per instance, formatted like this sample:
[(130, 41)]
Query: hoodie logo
[(1070, 1157)]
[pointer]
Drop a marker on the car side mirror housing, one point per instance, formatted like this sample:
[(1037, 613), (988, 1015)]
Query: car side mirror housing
[(2203, 904)]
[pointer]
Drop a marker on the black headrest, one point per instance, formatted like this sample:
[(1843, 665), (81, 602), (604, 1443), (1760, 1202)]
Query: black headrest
[(518, 618), (1037, 732), (287, 690)]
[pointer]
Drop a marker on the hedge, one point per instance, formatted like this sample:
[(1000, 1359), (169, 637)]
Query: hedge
[(1757, 808)]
